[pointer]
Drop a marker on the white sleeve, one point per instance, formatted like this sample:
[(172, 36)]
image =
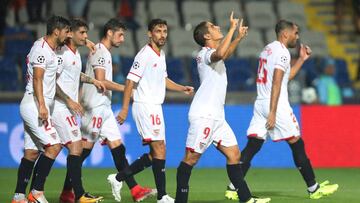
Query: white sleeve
[(60, 63), (137, 69), (282, 61), (98, 59), (207, 57), (38, 59)]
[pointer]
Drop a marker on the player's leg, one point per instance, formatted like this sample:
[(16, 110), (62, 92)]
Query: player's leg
[(256, 135), (24, 173), (303, 163), (158, 153), (183, 175), (226, 143), (111, 135), (199, 138)]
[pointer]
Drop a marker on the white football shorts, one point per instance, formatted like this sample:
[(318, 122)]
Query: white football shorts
[(149, 121), (206, 131), (100, 124), (286, 126)]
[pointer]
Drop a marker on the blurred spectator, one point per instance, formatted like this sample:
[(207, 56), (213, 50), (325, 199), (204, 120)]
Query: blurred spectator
[(118, 77), (356, 16), (35, 8), (328, 89), (77, 8), (3, 11), (126, 12)]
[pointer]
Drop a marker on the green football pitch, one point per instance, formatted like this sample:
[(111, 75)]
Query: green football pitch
[(206, 185)]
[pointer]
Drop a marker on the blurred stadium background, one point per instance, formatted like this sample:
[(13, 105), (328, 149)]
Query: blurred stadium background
[(330, 27)]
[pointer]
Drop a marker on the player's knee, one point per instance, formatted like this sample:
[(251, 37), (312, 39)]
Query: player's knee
[(158, 150), (233, 157), (31, 154), (52, 151)]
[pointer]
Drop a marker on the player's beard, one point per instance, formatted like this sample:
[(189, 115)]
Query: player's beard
[(292, 44), (160, 43)]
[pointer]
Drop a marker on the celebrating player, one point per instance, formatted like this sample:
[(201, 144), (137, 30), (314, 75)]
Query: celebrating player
[(206, 116)]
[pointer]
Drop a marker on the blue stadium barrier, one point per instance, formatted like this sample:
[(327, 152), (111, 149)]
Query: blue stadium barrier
[(272, 155)]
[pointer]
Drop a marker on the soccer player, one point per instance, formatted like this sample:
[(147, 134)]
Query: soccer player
[(273, 115), (206, 115), (36, 109), (67, 107), (98, 121), (148, 73)]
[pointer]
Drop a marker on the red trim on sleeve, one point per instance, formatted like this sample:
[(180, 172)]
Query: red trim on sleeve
[(69, 142), (135, 74), (84, 139), (190, 149), (252, 135), (219, 143)]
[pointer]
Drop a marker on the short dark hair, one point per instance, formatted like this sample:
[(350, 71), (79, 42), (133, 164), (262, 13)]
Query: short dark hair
[(76, 23), (282, 25), (155, 22), (113, 24), (56, 22), (200, 30)]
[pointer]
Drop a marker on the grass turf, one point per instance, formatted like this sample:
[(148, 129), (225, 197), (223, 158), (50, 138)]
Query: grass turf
[(206, 185)]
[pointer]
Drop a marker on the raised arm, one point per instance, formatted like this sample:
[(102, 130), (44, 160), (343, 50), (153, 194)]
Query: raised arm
[(220, 52), (171, 85), (304, 54), (121, 117), (242, 32)]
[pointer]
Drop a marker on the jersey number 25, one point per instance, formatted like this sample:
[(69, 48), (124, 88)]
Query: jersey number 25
[(262, 72)]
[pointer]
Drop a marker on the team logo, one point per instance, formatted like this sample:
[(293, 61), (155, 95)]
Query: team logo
[(283, 59), (41, 59), (75, 133), (136, 65), (101, 60), (59, 61)]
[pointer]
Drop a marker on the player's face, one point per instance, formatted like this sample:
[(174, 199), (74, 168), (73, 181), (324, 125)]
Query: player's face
[(63, 35), (158, 35), (293, 37), (117, 37), (79, 36), (214, 31)]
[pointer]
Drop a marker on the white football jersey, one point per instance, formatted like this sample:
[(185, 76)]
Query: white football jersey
[(69, 62), (149, 71), (42, 55), (274, 55), (100, 59), (209, 99)]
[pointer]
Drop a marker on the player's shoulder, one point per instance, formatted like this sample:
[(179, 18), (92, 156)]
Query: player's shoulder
[(41, 46), (100, 50)]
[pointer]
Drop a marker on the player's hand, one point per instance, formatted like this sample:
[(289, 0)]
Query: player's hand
[(270, 123), (304, 52), (43, 113), (188, 90), (90, 45), (99, 85), (233, 21), (243, 30), (75, 107), (121, 117)]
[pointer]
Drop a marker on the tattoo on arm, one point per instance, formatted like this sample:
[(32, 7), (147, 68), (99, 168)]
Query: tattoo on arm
[(61, 94), (85, 78)]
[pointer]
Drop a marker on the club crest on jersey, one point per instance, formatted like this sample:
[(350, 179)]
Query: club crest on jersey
[(136, 65), (41, 59), (53, 135), (101, 61), (75, 133)]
